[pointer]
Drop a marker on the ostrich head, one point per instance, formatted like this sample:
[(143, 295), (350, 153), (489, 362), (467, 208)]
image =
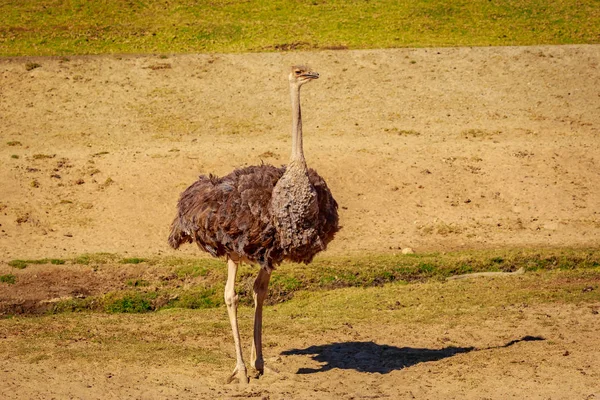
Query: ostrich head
[(301, 74)]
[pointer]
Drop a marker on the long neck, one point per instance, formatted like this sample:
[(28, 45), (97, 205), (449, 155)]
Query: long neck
[(297, 150)]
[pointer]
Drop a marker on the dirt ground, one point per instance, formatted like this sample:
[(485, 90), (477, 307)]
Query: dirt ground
[(433, 149), (422, 341), (428, 148)]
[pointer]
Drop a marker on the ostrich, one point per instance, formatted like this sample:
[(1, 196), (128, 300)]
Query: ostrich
[(259, 214)]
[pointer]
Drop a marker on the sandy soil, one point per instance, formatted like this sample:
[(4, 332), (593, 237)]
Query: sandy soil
[(432, 149), (428, 148)]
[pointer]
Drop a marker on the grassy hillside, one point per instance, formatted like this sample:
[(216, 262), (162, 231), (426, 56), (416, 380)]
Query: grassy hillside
[(61, 27)]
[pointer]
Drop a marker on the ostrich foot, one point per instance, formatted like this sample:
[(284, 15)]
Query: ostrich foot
[(257, 367), (256, 373), (238, 376)]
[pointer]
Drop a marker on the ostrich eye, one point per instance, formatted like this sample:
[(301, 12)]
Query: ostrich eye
[(297, 72)]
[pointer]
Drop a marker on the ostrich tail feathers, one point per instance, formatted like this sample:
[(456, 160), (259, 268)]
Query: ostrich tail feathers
[(178, 235)]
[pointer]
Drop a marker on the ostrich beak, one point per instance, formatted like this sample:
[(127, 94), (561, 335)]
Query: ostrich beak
[(310, 75)]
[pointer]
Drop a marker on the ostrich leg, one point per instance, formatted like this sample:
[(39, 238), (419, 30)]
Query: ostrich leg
[(260, 293), (231, 299)]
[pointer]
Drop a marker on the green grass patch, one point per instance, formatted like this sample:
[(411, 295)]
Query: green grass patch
[(45, 27), (192, 270), (130, 302), (198, 298), (186, 268), (8, 278), (75, 305), (95, 258), (24, 263), (283, 286), (20, 264)]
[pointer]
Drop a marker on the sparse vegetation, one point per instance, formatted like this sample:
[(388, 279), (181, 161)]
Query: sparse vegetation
[(14, 143), (43, 156), (109, 181), (24, 263), (268, 154), (20, 264), (325, 310), (198, 283), (96, 258), (8, 278), (402, 132), (478, 134), (159, 66)]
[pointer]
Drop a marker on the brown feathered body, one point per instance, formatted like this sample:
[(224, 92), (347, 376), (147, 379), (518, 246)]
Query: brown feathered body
[(261, 214)]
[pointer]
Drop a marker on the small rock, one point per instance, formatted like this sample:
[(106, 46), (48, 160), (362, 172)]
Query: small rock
[(408, 250)]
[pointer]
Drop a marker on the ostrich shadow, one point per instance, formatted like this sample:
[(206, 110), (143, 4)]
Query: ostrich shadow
[(381, 358)]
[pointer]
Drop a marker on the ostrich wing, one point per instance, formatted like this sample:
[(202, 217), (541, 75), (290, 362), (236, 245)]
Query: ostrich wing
[(229, 215)]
